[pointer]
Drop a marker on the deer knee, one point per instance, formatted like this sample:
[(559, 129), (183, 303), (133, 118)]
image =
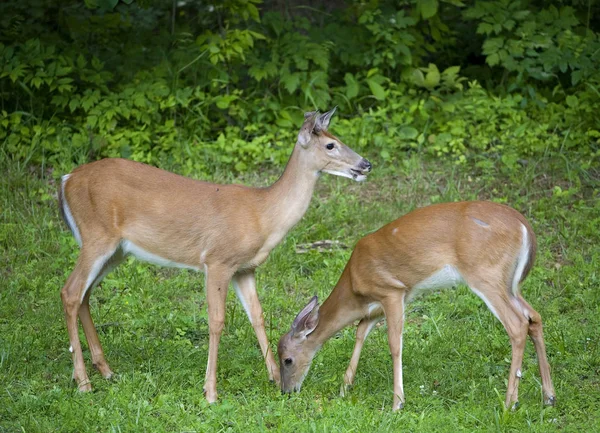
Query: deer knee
[(519, 332), (519, 339), (216, 325), (258, 322), (70, 300)]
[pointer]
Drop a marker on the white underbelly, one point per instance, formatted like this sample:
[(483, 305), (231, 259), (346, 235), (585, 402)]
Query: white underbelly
[(139, 253), (448, 276)]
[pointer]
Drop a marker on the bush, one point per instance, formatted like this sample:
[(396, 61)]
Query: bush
[(225, 84)]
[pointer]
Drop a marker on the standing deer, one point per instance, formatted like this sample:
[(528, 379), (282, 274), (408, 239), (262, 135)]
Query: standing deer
[(116, 207), (487, 246)]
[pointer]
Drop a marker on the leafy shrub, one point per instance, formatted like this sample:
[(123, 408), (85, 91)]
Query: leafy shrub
[(549, 44), (197, 85)]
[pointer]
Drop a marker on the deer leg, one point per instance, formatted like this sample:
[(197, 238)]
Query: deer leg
[(217, 282), (98, 360), (537, 336), (393, 306), (498, 301), (88, 267), (364, 328), (91, 336), (245, 288)]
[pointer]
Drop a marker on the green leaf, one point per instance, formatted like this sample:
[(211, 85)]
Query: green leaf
[(88, 102), (562, 65), (253, 12), (73, 104), (81, 62), (37, 82), (520, 15), (291, 82), (92, 121), (351, 85), (452, 70), (284, 123), (107, 5), (139, 100), (427, 8), (372, 72), (432, 78), (408, 133), (96, 64), (257, 73), (376, 89), (17, 72), (223, 102), (509, 24), (418, 77), (492, 45), (572, 101), (493, 59), (484, 28)]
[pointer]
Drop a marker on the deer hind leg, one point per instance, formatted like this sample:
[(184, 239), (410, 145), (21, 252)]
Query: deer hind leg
[(89, 266), (498, 300), (245, 288), (537, 336), (364, 328), (98, 360)]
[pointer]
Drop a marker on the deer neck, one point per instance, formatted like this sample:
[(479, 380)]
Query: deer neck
[(339, 310), (288, 199)]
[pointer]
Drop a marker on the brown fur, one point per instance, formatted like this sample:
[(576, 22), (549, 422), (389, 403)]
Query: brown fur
[(225, 230), (481, 240)]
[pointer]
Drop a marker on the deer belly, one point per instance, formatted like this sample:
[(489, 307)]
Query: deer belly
[(146, 256), (448, 276)]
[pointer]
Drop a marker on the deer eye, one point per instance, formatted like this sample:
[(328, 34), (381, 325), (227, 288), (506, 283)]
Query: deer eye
[(330, 146), (288, 361)]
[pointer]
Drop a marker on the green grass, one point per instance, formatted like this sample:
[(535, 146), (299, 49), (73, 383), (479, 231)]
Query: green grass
[(153, 324)]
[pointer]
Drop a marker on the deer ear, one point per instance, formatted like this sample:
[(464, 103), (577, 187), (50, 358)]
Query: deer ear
[(306, 321), (308, 126), (322, 122)]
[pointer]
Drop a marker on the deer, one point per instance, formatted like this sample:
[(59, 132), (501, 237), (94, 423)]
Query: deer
[(487, 246), (116, 208)]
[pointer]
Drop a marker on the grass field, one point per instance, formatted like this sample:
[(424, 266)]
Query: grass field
[(152, 321)]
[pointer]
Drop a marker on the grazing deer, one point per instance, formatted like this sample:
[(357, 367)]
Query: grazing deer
[(116, 207), (487, 246)]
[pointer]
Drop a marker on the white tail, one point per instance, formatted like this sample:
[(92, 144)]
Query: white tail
[(116, 207), (487, 246)]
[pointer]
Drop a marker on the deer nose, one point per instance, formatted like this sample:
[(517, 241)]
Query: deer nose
[(365, 165)]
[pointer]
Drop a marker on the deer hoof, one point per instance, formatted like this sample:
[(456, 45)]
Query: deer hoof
[(398, 407), (211, 397), (104, 370), (84, 386)]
